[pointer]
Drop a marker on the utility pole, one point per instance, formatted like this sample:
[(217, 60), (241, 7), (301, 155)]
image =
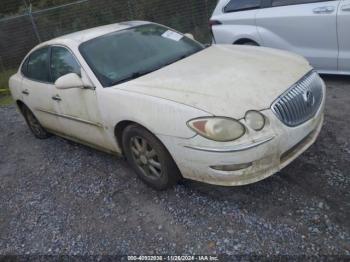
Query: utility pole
[(29, 11)]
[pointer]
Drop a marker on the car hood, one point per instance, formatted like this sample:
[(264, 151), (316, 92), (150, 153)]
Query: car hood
[(225, 80)]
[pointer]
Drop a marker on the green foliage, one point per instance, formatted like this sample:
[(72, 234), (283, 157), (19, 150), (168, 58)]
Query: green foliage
[(5, 100), (17, 35), (4, 80)]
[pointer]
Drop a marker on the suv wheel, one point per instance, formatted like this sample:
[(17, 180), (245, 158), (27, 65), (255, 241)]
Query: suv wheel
[(251, 43)]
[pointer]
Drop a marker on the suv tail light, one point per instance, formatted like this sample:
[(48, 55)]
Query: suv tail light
[(211, 24), (214, 22)]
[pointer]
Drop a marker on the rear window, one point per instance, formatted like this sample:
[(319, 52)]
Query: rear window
[(38, 65), (241, 5), (24, 67)]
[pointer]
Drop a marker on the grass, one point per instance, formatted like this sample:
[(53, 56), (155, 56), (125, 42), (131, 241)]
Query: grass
[(4, 80), (5, 98)]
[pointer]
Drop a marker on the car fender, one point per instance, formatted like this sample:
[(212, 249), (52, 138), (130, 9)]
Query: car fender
[(230, 34), (15, 86), (274, 40), (160, 116)]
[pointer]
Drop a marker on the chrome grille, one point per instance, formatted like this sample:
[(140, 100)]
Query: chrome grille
[(301, 102)]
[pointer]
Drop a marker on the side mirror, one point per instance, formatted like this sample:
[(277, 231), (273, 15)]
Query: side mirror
[(190, 36), (68, 81)]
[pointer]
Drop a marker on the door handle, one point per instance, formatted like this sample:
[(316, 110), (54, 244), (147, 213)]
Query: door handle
[(346, 8), (324, 10), (25, 92), (56, 98)]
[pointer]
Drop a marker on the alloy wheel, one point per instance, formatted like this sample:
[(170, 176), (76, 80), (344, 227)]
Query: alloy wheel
[(34, 124), (146, 158)]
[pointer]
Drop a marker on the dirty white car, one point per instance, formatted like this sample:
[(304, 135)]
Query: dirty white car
[(225, 115)]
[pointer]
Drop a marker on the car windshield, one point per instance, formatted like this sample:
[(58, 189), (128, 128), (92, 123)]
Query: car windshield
[(124, 55)]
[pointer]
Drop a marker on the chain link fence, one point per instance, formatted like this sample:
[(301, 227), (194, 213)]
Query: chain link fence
[(30, 24)]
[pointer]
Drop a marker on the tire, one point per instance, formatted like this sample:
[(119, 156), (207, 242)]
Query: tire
[(149, 158), (34, 125), (251, 43)]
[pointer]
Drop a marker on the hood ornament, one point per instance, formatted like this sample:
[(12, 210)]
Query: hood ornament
[(309, 98)]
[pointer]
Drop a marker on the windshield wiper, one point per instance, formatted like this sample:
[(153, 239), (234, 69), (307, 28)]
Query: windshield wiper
[(177, 59), (142, 73), (131, 77)]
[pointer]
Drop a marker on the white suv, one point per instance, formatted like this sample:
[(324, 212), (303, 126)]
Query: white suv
[(318, 30)]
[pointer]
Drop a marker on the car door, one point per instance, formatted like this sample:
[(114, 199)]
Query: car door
[(344, 36), (77, 107), (37, 89), (306, 27)]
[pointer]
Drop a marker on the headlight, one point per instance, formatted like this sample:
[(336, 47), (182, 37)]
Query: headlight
[(255, 120), (217, 128)]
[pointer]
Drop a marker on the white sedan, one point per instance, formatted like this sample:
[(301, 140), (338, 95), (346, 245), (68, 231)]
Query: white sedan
[(224, 115)]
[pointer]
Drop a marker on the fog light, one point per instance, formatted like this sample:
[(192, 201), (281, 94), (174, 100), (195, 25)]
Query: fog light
[(255, 120), (233, 167)]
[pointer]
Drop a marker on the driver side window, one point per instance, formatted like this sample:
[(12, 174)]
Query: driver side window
[(62, 63)]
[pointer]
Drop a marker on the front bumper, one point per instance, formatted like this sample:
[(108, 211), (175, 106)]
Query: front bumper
[(268, 151)]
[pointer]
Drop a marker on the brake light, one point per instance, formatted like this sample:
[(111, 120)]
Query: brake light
[(214, 22), (211, 24)]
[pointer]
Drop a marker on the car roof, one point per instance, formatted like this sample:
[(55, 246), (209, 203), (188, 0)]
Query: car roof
[(88, 34)]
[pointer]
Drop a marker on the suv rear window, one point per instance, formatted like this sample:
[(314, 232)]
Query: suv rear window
[(241, 5)]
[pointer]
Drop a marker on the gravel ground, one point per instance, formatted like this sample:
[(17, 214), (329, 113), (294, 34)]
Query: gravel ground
[(58, 197)]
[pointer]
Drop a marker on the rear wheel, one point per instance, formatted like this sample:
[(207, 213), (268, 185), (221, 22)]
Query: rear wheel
[(251, 43), (34, 125), (149, 158), (246, 42)]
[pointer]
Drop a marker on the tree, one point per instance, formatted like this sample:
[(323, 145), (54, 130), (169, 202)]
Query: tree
[(9, 7)]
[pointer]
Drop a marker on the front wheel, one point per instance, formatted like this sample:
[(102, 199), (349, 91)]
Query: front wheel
[(149, 158)]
